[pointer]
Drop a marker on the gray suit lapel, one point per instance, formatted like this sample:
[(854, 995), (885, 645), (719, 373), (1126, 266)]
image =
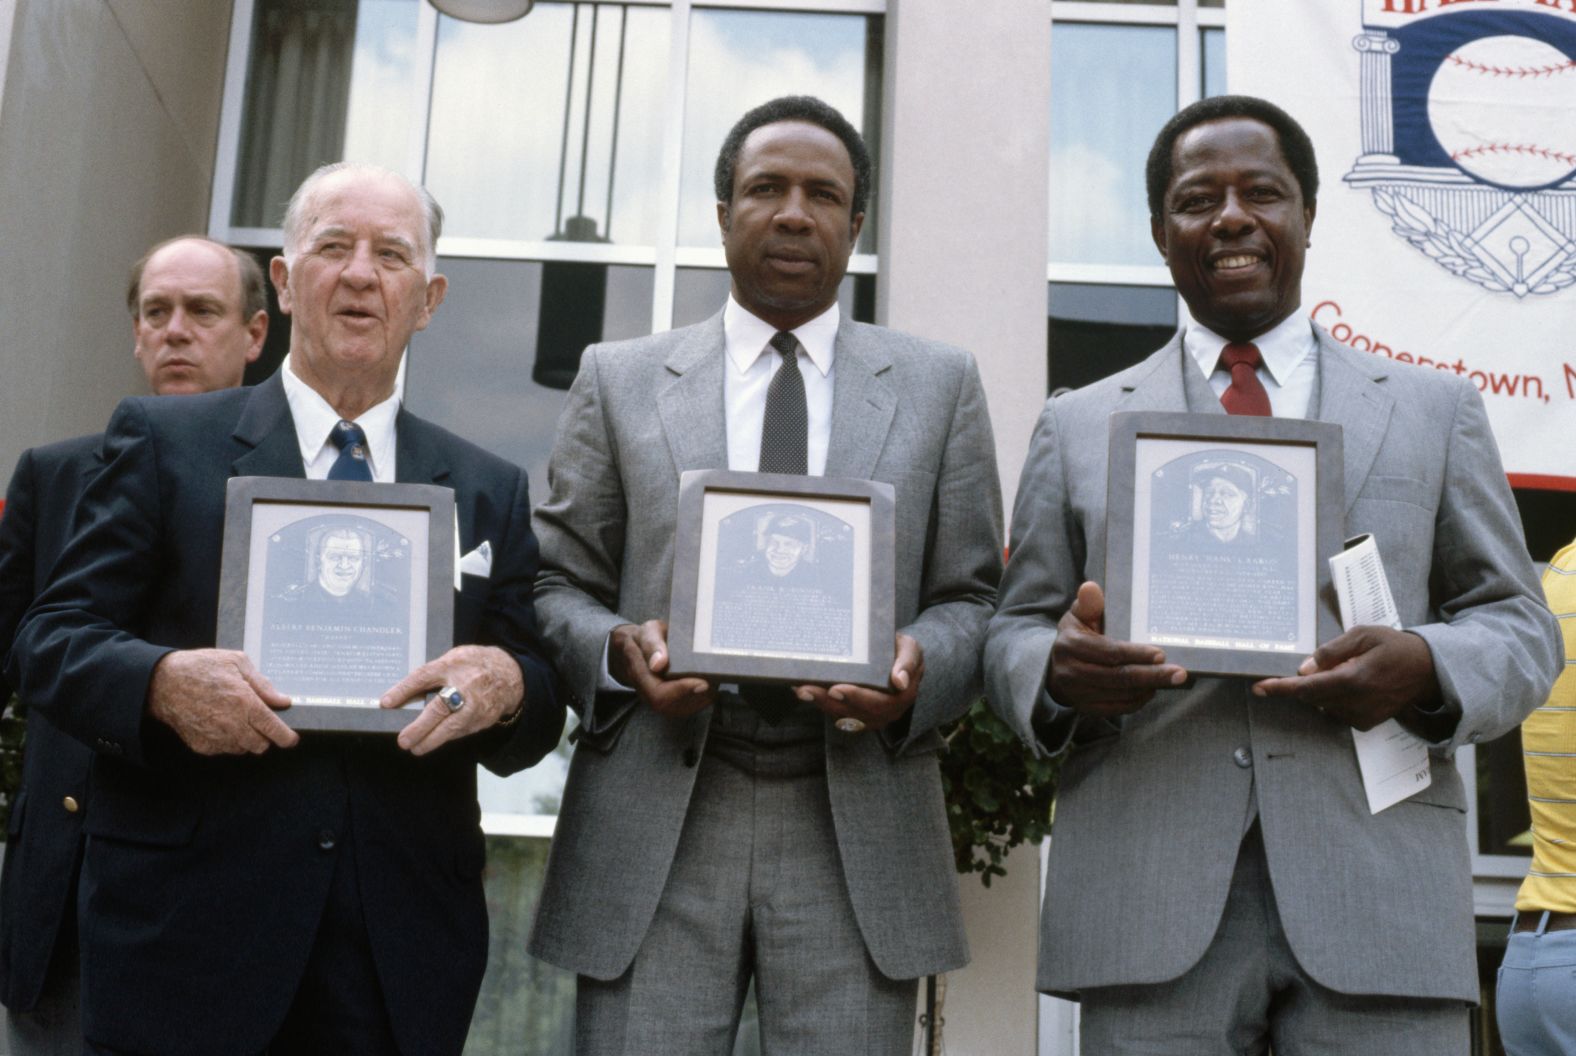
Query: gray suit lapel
[(862, 404), (1168, 381), (1353, 398), (691, 407), (266, 432)]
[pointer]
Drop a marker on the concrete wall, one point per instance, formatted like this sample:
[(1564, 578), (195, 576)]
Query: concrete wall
[(108, 118), (991, 1006), (7, 18), (964, 171)]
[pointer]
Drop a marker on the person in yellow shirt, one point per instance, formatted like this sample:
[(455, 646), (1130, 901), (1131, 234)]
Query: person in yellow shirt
[(1536, 1006)]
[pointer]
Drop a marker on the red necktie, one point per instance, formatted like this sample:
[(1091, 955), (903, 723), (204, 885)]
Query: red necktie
[(1246, 393)]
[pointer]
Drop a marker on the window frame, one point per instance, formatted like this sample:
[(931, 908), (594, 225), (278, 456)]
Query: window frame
[(666, 256), (1188, 18)]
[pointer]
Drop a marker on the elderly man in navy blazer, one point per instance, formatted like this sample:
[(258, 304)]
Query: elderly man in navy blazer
[(246, 888), (199, 314), (1217, 882)]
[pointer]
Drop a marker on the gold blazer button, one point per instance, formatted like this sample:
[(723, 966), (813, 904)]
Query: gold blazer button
[(71, 804)]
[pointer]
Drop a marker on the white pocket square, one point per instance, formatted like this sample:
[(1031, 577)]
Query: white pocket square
[(478, 562)]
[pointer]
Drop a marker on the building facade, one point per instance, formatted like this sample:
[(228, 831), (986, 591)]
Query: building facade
[(572, 153)]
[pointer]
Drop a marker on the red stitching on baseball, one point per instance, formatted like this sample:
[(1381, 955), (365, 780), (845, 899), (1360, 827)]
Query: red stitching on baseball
[(1512, 71), (1516, 148)]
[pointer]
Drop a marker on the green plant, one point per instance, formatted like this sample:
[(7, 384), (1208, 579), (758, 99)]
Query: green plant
[(12, 728), (998, 793)]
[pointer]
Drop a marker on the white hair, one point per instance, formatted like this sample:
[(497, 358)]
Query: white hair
[(431, 211)]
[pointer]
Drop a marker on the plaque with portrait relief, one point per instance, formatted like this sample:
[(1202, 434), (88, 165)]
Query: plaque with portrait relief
[(783, 578), (336, 590), (1219, 530)]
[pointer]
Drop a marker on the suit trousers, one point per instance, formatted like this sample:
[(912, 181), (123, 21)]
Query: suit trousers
[(1536, 1006), (756, 889), (1247, 994)]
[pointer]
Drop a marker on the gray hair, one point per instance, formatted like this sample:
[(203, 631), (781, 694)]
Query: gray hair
[(431, 211)]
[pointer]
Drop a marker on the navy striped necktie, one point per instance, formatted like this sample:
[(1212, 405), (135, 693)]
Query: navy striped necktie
[(352, 461)]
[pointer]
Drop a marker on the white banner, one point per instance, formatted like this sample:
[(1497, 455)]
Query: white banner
[(1446, 229)]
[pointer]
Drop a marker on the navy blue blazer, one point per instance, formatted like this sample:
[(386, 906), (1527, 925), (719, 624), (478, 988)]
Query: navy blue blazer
[(204, 878), (44, 840)]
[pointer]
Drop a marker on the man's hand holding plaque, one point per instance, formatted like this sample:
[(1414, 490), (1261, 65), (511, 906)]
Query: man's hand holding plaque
[(637, 656), (1102, 676), (873, 708)]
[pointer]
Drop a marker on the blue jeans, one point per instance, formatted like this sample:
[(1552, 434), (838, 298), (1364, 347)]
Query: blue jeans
[(1536, 1005)]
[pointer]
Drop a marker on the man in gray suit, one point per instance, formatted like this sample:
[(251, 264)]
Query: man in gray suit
[(1217, 883), (715, 834)]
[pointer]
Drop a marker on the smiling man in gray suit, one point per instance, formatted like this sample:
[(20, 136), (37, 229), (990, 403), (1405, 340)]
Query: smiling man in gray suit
[(1217, 883), (711, 835)]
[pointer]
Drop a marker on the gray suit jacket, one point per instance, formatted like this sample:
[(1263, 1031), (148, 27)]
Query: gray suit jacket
[(1150, 811), (905, 411)]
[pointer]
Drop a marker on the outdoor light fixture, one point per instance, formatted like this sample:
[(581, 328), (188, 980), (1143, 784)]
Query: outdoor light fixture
[(574, 293), (484, 10)]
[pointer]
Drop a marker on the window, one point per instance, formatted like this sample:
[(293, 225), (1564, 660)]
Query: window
[(585, 132), (1118, 72), (1097, 330), (1112, 87), (546, 129)]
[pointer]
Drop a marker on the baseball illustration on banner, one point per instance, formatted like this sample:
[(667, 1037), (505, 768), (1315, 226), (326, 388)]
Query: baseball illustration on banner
[(1446, 136), (1501, 107)]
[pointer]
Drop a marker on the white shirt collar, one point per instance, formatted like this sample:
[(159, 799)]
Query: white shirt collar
[(315, 419), (746, 335), (1283, 347)]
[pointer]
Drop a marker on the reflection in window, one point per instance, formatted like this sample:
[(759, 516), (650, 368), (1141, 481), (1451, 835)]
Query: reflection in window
[(1213, 44), (327, 80), (739, 59), (550, 127), (380, 119), (1095, 331), (477, 368), (1112, 87), (1504, 821), (700, 293)]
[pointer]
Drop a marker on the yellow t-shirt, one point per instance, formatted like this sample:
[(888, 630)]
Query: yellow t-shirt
[(1548, 746)]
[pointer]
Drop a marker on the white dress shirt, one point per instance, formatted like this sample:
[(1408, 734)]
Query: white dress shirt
[(751, 365), (1288, 366), (315, 420)]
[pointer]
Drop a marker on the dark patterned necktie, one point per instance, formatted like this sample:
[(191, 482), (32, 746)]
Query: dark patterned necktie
[(785, 431), (352, 461), (1246, 394)]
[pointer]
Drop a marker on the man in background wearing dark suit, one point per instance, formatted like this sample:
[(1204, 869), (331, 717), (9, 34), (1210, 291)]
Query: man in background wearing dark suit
[(246, 888), (199, 314)]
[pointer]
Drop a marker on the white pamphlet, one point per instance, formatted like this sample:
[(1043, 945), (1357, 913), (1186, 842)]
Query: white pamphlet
[(1393, 761)]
